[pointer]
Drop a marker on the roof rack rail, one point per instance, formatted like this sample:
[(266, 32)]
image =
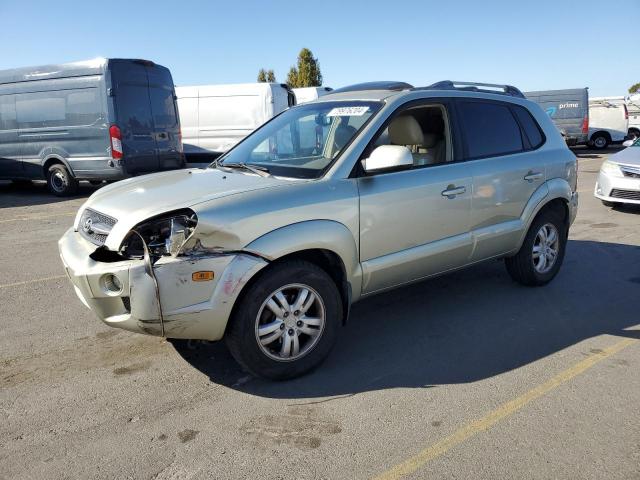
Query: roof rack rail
[(475, 87), (395, 86)]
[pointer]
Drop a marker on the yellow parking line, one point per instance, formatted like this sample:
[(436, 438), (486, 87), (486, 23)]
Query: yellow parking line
[(506, 409), (35, 280), (37, 217)]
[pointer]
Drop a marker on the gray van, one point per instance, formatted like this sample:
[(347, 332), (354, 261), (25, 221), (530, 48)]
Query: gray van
[(569, 110), (102, 119)]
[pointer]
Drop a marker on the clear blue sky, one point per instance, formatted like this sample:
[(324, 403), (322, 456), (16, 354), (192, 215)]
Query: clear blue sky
[(534, 44)]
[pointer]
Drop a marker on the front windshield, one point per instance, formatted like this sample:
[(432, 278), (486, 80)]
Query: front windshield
[(303, 141)]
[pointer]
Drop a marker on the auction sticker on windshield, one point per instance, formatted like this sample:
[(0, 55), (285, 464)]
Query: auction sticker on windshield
[(347, 111)]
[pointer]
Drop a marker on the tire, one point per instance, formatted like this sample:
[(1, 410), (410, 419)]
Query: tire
[(60, 182), (600, 141), (252, 309), (523, 267)]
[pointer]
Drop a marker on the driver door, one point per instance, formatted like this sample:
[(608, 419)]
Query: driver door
[(416, 222)]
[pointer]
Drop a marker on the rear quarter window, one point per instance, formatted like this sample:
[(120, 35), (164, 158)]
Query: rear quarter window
[(489, 129), (529, 125)]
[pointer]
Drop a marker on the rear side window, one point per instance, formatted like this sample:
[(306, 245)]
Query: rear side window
[(490, 129), (59, 108), (7, 113), (529, 125)]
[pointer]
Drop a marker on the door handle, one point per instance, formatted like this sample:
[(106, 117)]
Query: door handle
[(531, 176), (452, 191), (162, 135)]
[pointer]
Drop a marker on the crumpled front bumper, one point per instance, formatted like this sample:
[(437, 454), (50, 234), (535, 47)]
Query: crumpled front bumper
[(190, 309)]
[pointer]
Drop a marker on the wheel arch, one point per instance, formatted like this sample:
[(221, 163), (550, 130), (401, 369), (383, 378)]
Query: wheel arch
[(599, 133), (328, 244), (55, 159), (554, 194)]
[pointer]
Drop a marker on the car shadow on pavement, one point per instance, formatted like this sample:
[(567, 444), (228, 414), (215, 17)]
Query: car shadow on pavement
[(36, 193), (463, 327)]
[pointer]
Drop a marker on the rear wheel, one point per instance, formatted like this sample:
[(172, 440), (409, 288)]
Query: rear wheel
[(542, 251), (600, 141), (286, 323), (60, 182)]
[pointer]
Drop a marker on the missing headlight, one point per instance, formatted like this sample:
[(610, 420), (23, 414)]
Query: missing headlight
[(164, 235)]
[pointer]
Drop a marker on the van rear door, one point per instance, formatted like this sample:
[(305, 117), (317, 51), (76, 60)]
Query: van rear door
[(165, 118), (134, 117)]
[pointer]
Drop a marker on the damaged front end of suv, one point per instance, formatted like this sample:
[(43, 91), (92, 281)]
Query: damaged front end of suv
[(163, 279)]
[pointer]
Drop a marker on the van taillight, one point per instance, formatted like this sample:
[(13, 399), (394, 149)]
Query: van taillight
[(585, 124), (116, 142), (626, 112)]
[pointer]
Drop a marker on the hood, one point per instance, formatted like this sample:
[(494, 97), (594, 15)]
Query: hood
[(628, 156), (136, 199)]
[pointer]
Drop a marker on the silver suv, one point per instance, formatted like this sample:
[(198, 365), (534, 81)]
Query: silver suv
[(369, 188)]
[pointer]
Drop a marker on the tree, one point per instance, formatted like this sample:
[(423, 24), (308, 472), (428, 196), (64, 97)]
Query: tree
[(306, 73), (266, 76), (634, 88)]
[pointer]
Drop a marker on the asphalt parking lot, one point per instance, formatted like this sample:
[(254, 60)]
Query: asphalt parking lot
[(464, 376)]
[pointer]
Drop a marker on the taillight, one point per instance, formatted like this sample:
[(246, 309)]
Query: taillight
[(116, 142), (585, 124), (626, 112)]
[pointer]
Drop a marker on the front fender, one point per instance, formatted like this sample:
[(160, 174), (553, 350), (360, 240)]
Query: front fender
[(309, 235)]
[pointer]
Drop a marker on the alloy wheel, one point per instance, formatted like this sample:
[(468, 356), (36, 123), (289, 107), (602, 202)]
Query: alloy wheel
[(546, 247), (290, 322)]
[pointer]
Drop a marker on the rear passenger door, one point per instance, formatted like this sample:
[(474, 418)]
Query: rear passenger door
[(500, 141)]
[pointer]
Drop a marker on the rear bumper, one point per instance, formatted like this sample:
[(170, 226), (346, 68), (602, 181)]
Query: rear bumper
[(197, 310)]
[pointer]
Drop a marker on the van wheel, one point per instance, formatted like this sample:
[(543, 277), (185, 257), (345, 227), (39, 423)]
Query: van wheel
[(60, 182), (600, 141), (542, 252), (286, 323)]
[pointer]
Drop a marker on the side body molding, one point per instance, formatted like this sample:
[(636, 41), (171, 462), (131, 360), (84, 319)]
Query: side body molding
[(314, 234)]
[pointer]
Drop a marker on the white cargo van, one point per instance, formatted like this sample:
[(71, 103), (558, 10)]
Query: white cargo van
[(216, 117), (633, 107), (608, 121), (308, 94)]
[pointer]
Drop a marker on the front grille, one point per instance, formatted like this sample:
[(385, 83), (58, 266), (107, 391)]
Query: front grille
[(626, 194), (95, 226), (633, 172)]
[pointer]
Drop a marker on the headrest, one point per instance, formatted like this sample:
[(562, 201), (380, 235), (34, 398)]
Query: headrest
[(405, 130), (343, 134), (431, 140)]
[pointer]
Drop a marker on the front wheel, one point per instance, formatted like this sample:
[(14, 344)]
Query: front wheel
[(542, 252), (286, 323)]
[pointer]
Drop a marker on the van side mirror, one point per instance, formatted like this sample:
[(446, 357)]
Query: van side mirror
[(627, 143), (388, 157)]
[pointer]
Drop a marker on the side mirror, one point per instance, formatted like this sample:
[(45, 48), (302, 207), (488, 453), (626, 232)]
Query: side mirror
[(387, 157), (627, 143)]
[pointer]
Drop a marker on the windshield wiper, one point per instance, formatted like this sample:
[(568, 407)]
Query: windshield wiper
[(257, 169)]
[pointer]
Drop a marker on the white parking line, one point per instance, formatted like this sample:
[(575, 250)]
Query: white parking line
[(35, 280), (37, 217)]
